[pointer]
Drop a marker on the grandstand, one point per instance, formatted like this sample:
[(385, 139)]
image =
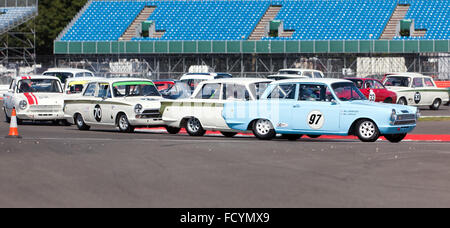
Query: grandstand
[(15, 46), (259, 32)]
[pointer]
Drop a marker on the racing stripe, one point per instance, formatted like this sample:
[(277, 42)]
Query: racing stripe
[(29, 98), (35, 98)]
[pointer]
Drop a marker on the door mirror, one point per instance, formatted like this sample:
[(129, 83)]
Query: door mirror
[(333, 102)]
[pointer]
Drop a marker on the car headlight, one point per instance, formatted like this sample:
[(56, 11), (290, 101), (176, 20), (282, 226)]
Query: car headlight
[(393, 115), (23, 104), (138, 109), (418, 114)]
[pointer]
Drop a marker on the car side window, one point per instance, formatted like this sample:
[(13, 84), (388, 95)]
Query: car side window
[(315, 92), (377, 85), (308, 74), (418, 82), (368, 84), (317, 75), (428, 82), (285, 91), (90, 90), (235, 92), (209, 91), (104, 90)]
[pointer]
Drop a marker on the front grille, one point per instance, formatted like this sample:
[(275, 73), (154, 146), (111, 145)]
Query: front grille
[(45, 108), (405, 119), (152, 113)]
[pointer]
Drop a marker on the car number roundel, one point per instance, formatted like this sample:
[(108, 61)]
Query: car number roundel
[(372, 96), (98, 113), (315, 120)]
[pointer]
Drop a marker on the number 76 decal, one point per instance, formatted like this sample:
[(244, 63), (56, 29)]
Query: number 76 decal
[(315, 120)]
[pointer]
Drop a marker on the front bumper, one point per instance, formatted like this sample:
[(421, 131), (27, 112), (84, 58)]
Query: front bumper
[(41, 115), (401, 129)]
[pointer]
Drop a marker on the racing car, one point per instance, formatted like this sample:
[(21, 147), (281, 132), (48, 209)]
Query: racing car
[(374, 90)]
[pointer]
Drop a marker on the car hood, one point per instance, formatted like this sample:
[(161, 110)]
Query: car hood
[(43, 98), (371, 105), (146, 102)]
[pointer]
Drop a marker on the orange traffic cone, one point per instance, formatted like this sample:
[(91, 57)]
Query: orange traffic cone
[(13, 131)]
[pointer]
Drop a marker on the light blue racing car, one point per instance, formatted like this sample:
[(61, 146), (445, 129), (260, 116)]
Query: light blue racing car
[(316, 107)]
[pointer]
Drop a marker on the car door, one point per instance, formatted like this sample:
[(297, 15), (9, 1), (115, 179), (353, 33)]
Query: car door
[(86, 105), (380, 91), (207, 105), (418, 97), (316, 110), (430, 94), (103, 106), (279, 105)]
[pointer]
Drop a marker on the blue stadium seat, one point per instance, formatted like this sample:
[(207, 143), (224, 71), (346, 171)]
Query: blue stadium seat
[(236, 19)]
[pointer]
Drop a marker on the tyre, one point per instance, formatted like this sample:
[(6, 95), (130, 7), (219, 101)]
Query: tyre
[(263, 129), (194, 127), (292, 137), (79, 121), (173, 130), (7, 119), (436, 104), (228, 134), (314, 136), (388, 101), (396, 138), (402, 101), (124, 125), (367, 131)]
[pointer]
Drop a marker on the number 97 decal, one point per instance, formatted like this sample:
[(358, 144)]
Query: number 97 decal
[(315, 120)]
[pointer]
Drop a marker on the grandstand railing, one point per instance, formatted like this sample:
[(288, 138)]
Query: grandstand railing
[(19, 3), (251, 47)]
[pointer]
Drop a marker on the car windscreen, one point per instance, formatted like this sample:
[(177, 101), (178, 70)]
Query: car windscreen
[(193, 83), (290, 72), (179, 90), (347, 91), (397, 81), (39, 86), (61, 75), (134, 89)]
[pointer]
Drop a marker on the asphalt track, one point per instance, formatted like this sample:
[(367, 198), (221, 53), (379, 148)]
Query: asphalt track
[(62, 167)]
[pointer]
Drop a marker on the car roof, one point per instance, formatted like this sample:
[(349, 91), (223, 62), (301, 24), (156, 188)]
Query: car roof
[(286, 76), (300, 69), (243, 81), (406, 74), (312, 80), (112, 80), (38, 77), (69, 70)]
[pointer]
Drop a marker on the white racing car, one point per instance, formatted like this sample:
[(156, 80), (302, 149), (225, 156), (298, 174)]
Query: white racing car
[(416, 90), (122, 103), (203, 111), (36, 98)]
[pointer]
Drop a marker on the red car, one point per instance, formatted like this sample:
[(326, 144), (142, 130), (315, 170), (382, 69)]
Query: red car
[(164, 84), (374, 90)]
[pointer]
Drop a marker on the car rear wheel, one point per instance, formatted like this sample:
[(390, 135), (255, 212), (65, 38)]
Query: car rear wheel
[(314, 136), (173, 130), (367, 131), (194, 127), (396, 138), (402, 101), (82, 126), (291, 137), (124, 124), (436, 104), (228, 134), (263, 129)]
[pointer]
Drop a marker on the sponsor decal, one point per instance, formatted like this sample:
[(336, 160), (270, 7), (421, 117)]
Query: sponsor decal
[(98, 113), (417, 97), (315, 120)]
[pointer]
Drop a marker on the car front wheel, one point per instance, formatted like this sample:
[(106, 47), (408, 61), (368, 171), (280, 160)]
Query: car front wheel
[(396, 138), (82, 126), (367, 131), (124, 124), (402, 101), (263, 129), (194, 127)]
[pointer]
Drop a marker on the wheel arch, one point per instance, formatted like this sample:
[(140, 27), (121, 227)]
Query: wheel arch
[(352, 130), (116, 119)]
